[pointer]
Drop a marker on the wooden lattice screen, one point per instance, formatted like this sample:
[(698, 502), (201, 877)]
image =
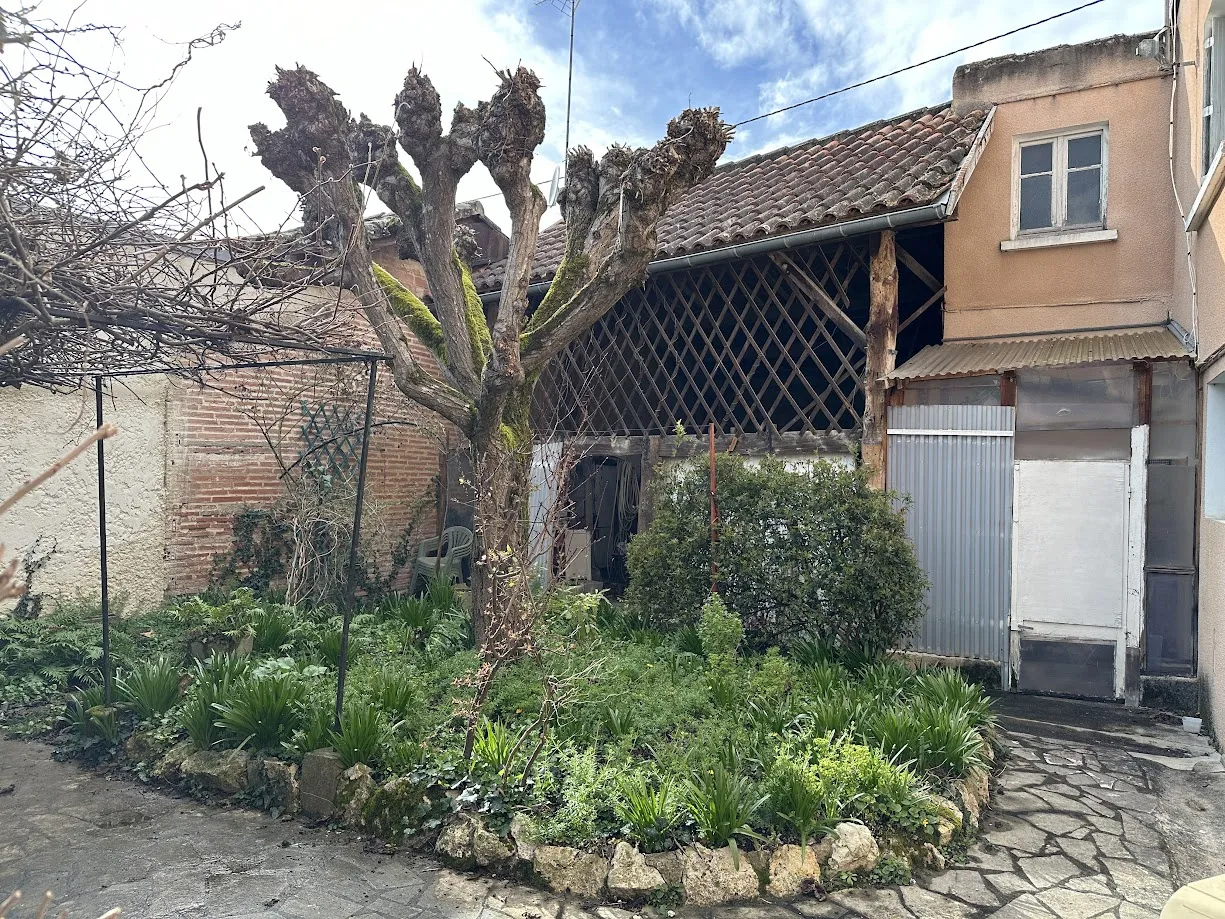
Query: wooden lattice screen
[(734, 343)]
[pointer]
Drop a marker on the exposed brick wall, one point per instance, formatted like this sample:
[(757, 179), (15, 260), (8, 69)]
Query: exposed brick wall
[(220, 462)]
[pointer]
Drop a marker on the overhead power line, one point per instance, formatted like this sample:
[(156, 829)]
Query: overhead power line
[(930, 60)]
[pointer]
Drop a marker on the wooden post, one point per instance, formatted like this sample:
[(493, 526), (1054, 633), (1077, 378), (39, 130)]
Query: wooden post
[(882, 351)]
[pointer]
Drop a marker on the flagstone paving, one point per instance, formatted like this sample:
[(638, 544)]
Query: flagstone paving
[(1082, 828)]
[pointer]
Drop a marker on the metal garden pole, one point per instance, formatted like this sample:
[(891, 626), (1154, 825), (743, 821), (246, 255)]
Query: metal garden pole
[(106, 606), (351, 587)]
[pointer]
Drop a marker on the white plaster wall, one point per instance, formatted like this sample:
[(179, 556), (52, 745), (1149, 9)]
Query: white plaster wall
[(36, 428)]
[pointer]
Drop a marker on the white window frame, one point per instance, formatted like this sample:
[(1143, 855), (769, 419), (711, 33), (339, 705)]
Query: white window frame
[(1059, 183)]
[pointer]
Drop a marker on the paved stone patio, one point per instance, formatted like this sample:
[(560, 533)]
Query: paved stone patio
[(1089, 824)]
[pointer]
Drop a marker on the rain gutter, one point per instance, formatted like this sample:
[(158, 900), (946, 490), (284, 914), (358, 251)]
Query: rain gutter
[(928, 213)]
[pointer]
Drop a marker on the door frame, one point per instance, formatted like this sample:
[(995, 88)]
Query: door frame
[(1127, 636)]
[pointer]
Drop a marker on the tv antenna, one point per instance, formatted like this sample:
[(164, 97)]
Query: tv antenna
[(568, 8)]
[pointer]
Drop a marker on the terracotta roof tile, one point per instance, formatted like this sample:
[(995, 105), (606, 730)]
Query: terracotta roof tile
[(902, 162)]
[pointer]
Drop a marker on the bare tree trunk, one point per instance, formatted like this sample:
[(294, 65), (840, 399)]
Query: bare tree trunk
[(501, 451)]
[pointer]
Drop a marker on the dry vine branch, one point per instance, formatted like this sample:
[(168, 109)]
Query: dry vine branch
[(487, 370), (101, 269)]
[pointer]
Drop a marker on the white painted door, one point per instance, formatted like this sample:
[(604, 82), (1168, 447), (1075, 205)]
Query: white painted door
[(1070, 569)]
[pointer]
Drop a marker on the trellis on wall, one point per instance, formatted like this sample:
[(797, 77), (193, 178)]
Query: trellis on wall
[(768, 344), (330, 446)]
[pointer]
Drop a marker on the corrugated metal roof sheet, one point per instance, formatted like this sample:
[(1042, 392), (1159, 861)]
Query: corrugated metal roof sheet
[(965, 358)]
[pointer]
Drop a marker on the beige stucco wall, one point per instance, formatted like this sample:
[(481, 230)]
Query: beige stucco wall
[(37, 428), (1121, 282), (1208, 323)]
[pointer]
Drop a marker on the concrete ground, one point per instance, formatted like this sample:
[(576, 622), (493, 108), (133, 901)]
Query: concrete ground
[(1103, 813)]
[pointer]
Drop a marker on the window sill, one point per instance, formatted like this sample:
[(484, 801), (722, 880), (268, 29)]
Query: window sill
[(1069, 238)]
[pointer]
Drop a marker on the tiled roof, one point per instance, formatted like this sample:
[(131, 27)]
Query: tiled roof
[(963, 358), (898, 163)]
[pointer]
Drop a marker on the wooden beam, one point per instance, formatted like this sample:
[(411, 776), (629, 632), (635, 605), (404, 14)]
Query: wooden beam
[(824, 302), (919, 271), (921, 310), (882, 351)]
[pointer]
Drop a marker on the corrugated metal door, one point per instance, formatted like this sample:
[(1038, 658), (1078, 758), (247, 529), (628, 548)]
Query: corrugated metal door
[(955, 463)]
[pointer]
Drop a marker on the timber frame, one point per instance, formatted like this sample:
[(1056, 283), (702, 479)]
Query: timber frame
[(790, 345)]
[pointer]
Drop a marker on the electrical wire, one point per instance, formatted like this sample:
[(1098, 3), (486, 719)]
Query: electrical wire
[(930, 60)]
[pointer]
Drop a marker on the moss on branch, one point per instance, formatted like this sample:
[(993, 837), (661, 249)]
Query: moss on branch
[(569, 279), (414, 312), (474, 311)]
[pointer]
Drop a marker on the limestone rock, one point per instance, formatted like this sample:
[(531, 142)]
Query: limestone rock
[(454, 843), (223, 771), (950, 819), (395, 808), (978, 784), (168, 766), (710, 878), (567, 870), (629, 875), (143, 747), (668, 864), (853, 850), (489, 850), (823, 849), (281, 782), (353, 792), (320, 776), (969, 805), (793, 872), (931, 858), (522, 832)]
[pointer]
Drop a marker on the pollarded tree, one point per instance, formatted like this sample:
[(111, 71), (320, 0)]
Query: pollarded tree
[(485, 372)]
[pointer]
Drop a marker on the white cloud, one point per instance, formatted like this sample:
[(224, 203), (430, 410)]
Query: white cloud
[(362, 50)]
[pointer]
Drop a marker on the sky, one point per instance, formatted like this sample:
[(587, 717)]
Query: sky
[(637, 64)]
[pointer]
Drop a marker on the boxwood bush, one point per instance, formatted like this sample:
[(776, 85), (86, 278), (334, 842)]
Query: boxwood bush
[(810, 554)]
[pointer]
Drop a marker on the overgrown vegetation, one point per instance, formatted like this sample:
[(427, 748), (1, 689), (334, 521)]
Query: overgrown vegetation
[(619, 723)]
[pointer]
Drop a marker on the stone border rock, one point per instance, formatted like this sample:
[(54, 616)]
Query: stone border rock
[(323, 789)]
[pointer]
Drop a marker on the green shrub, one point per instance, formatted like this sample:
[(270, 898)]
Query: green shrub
[(580, 798), (650, 811), (947, 688), (362, 735), (723, 804), (859, 782), (212, 682), (263, 711), (719, 630), (229, 618), (151, 688), (816, 553), (799, 799)]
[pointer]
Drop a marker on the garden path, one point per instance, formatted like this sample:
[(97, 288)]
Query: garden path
[(1101, 822)]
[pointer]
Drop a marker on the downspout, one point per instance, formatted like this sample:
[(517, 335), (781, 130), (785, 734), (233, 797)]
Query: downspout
[(928, 213)]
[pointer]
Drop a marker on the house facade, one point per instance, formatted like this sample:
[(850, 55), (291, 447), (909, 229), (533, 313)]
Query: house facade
[(1063, 389)]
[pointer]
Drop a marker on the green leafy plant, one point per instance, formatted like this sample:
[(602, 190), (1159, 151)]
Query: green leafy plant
[(315, 731), (619, 722), (494, 746), (395, 693), (76, 710), (722, 804), (151, 688), (362, 734), (649, 811), (275, 627), (720, 631), (815, 553), (798, 798), (263, 711), (229, 618)]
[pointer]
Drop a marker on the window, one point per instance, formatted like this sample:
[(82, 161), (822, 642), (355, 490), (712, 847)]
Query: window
[(1061, 181), (1212, 124)]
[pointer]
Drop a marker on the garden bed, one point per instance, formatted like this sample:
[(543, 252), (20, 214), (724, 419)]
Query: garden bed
[(664, 749), (664, 768)]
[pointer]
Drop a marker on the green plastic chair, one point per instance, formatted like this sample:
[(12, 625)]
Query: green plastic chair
[(443, 555)]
